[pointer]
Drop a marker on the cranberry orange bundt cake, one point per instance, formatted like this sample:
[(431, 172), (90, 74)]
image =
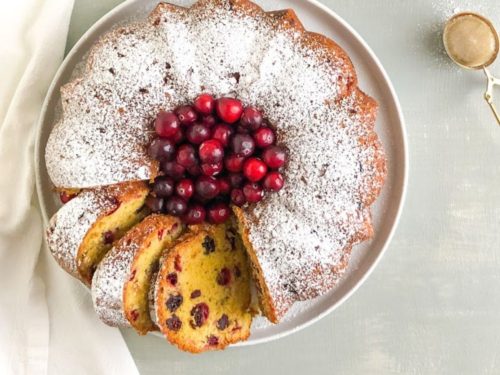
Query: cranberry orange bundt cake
[(203, 291), (84, 229), (122, 281), (215, 105)]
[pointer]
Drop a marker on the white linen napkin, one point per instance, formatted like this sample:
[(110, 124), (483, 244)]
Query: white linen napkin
[(48, 326)]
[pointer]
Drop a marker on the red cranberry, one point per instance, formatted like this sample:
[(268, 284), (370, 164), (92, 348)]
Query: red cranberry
[(195, 293), (197, 134), (195, 214), (253, 192), (173, 169), (273, 181), (166, 124), (200, 314), (211, 169), (162, 149), (274, 157), (243, 145), (174, 323), (176, 206), (223, 322), (194, 170), (186, 156), (212, 340), (237, 197), (185, 188), (228, 109), (218, 213), (222, 132), (172, 278), (65, 197), (264, 137), (208, 121), (234, 163), (178, 137), (224, 276), (163, 187), (251, 118), (224, 185), (174, 302), (204, 104), (254, 169), (108, 237), (211, 151), (235, 179), (206, 187), (242, 130), (155, 204), (186, 115)]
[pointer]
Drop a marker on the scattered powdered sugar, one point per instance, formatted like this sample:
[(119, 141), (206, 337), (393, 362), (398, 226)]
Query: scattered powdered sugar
[(303, 234)]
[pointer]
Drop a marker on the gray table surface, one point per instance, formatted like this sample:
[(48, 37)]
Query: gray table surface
[(432, 306)]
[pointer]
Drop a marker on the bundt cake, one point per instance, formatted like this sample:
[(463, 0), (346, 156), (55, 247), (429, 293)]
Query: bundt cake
[(122, 281), (203, 291), (318, 154), (84, 229)]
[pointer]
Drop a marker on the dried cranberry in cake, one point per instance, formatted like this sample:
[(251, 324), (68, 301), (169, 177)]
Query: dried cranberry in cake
[(186, 156), (211, 169), (108, 237), (172, 278), (243, 144), (274, 157), (206, 187), (162, 149), (253, 192), (237, 197), (204, 104), (185, 188), (163, 186), (197, 133), (176, 206), (66, 197), (234, 163), (167, 124), (215, 310), (251, 118), (195, 214), (222, 132), (186, 115), (155, 204), (229, 110), (273, 181), (254, 169), (173, 169), (218, 213), (211, 151), (264, 137)]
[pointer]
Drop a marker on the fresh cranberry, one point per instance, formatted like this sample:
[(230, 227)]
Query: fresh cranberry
[(242, 130), (212, 340), (178, 137), (155, 204), (173, 169), (273, 181), (195, 214), (108, 237), (237, 197), (197, 134), (185, 188), (264, 137), (243, 145), (211, 151), (253, 192), (162, 149), (186, 115), (176, 206), (174, 302), (65, 197), (174, 323), (194, 170), (223, 322), (166, 124), (218, 213), (224, 276), (222, 132), (274, 157), (204, 104), (224, 185), (254, 169), (186, 156), (251, 118), (200, 314), (206, 187), (163, 187), (235, 179), (228, 109), (172, 278), (212, 169), (209, 121), (234, 163)]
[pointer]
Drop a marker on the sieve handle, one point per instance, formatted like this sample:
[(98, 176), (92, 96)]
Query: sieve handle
[(488, 95)]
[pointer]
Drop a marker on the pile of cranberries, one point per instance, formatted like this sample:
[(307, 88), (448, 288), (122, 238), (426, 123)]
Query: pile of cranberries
[(213, 153)]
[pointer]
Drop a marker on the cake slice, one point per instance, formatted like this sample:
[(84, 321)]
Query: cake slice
[(122, 281), (84, 229), (202, 293)]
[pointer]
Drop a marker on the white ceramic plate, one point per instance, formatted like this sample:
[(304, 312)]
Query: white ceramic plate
[(390, 127)]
